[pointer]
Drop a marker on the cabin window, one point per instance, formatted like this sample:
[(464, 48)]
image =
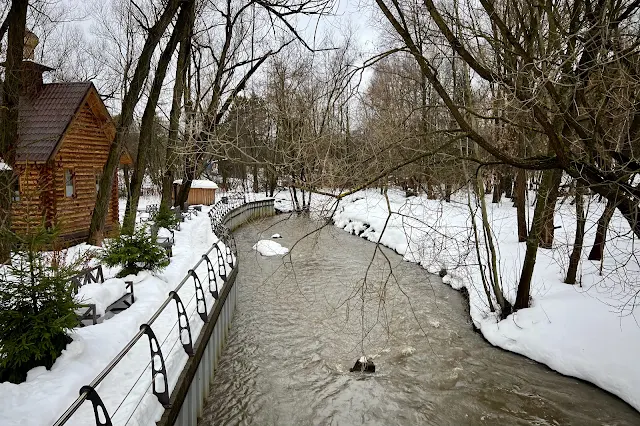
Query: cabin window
[(15, 189), (69, 183)]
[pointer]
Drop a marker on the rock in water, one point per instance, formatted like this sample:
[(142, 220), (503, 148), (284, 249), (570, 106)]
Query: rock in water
[(364, 365)]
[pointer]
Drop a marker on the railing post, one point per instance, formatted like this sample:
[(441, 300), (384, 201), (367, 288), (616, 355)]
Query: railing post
[(222, 268), (96, 401), (229, 254), (183, 324), (156, 354), (212, 276), (201, 304)]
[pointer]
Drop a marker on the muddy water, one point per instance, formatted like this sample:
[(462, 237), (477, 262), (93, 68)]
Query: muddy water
[(301, 323)]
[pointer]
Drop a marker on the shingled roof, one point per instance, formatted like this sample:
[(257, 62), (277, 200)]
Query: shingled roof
[(44, 118)]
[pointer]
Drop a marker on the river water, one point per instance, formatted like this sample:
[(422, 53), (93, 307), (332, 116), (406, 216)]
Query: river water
[(302, 321)]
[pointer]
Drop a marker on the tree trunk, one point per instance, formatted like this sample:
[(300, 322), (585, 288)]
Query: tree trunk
[(127, 179), (147, 124), (99, 216), (597, 251), (176, 108), (507, 184), (524, 285), (574, 259), (256, 186), (505, 306), (16, 20), (189, 176), (273, 183), (497, 190), (520, 202), (547, 232), (447, 192)]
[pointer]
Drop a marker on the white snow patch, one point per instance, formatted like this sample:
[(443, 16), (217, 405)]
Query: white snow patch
[(274, 236), (102, 294), (408, 351), (199, 184), (270, 248)]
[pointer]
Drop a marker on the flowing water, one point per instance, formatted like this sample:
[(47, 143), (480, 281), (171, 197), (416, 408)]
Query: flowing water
[(301, 323)]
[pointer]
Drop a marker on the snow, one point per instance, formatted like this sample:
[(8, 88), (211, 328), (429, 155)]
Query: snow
[(588, 330), (164, 233), (270, 248), (4, 166), (102, 294), (275, 236), (199, 184), (46, 394)]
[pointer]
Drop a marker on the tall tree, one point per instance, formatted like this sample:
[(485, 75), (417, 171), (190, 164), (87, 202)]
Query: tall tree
[(148, 117), (153, 36), (14, 24)]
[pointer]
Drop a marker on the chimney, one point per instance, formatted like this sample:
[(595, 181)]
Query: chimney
[(31, 71), (31, 78), (30, 42)]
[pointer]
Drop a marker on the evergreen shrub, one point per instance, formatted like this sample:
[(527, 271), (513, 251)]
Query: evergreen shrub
[(37, 306), (134, 253), (165, 218)]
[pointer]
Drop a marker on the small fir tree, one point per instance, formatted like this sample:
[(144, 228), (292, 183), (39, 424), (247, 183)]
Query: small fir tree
[(37, 307), (165, 218), (134, 252)]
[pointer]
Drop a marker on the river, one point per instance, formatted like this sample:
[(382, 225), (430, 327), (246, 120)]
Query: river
[(302, 321)]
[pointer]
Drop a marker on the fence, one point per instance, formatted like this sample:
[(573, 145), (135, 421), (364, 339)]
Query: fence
[(184, 402)]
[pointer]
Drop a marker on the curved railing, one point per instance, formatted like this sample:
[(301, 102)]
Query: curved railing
[(184, 401)]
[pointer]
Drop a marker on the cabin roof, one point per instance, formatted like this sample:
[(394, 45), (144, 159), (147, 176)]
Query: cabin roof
[(44, 118)]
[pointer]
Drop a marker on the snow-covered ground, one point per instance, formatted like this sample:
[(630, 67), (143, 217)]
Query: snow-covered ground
[(588, 330), (47, 393)]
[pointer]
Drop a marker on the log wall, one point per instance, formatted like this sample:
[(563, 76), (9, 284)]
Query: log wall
[(84, 150), (205, 196), (28, 212)]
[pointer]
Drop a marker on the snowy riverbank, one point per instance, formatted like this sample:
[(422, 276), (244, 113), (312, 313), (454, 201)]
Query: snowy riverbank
[(587, 331), (47, 393)]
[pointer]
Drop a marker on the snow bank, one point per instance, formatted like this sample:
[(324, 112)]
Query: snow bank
[(102, 294), (47, 393), (270, 248), (587, 331)]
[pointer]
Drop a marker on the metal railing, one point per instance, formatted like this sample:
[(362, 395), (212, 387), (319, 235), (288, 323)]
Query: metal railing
[(179, 406)]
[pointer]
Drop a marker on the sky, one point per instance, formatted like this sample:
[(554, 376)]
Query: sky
[(354, 18)]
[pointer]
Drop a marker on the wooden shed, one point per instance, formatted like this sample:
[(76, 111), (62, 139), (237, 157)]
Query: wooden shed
[(65, 133), (201, 192)]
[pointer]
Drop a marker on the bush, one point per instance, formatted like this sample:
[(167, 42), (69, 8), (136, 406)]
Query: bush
[(165, 218), (134, 252), (37, 307)]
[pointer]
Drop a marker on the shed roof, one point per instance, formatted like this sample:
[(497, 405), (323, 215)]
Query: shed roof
[(44, 118), (199, 184)]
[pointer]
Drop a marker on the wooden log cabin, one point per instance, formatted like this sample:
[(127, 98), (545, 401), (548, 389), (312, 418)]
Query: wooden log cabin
[(65, 133)]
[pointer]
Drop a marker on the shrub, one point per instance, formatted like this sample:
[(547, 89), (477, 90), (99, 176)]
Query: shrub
[(165, 218), (37, 307), (134, 252)]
